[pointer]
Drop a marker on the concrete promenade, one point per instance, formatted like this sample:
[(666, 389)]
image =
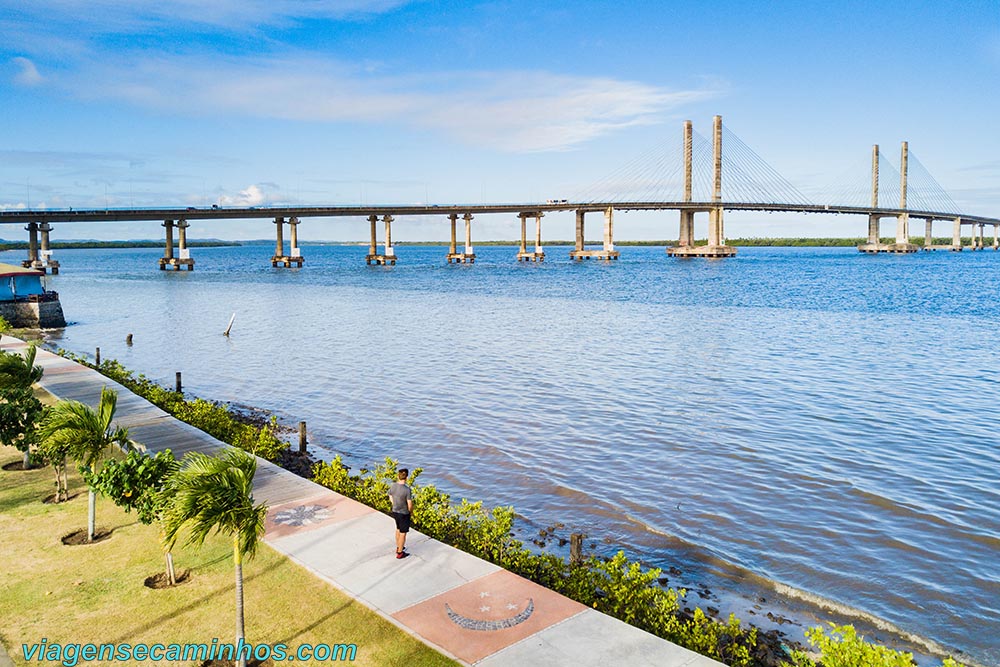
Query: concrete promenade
[(461, 605)]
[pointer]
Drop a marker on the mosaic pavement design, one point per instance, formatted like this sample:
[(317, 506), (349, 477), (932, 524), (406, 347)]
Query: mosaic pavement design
[(487, 614), (310, 513)]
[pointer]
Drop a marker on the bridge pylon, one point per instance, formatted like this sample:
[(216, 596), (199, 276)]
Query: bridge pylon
[(716, 246), (902, 244)]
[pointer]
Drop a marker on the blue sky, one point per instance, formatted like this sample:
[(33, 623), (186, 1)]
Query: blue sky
[(188, 103)]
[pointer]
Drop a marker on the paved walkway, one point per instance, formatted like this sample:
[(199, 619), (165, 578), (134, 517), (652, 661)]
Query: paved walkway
[(461, 605)]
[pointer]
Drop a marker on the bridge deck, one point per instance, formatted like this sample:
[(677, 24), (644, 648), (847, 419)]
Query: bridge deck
[(225, 213)]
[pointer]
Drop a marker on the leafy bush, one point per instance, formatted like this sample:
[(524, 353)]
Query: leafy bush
[(212, 418), (20, 414), (844, 648), (135, 482), (4, 324)]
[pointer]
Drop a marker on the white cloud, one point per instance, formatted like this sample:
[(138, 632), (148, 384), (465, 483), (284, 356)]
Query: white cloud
[(28, 74), (509, 111), (252, 196)]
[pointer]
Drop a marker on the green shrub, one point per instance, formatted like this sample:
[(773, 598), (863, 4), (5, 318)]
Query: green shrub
[(212, 418), (4, 326), (135, 482), (844, 648)]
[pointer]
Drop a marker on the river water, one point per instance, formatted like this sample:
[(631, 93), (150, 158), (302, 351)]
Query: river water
[(813, 423)]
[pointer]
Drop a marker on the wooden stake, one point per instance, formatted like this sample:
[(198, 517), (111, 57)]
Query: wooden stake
[(575, 549), (231, 320)]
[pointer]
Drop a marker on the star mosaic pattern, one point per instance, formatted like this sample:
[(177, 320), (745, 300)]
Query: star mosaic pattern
[(303, 515), (500, 624)]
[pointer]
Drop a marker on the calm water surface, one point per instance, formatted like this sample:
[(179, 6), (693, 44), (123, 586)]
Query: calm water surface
[(812, 417)]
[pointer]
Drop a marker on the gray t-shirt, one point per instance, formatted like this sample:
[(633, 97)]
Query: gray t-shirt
[(400, 493)]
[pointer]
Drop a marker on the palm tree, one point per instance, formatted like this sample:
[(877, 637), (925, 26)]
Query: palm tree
[(21, 410), (216, 493), (18, 371), (87, 435)]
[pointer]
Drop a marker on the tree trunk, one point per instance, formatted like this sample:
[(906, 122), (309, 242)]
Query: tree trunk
[(238, 561), (26, 464), (171, 577), (58, 483), (91, 515), (65, 481)]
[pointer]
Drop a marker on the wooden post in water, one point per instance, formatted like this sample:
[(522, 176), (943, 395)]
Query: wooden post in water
[(97, 356), (302, 437), (575, 549), (177, 382)]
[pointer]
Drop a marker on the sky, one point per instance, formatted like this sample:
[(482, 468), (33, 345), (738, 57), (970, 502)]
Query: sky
[(118, 103)]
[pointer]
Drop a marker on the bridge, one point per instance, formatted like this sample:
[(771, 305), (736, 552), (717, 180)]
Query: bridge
[(685, 177)]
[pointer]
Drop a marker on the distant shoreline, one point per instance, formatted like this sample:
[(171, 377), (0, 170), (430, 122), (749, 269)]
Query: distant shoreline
[(773, 242)]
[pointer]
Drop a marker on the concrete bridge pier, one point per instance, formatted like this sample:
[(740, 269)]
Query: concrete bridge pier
[(39, 260), (956, 235), (32, 260), (183, 254), (929, 234), (996, 237), (388, 256), (686, 237), (43, 260), (607, 250), (982, 233), (168, 258), (522, 254), (168, 245), (294, 255), (902, 244), (468, 255)]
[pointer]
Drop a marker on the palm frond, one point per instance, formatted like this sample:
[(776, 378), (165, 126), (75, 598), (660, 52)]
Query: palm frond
[(88, 434), (18, 371), (214, 493)]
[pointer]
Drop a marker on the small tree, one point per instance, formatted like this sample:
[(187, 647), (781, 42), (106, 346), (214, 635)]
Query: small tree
[(20, 411), (87, 435), (216, 493), (4, 324), (136, 482), (20, 415), (54, 452)]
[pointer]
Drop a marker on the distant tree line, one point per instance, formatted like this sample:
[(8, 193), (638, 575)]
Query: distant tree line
[(66, 245)]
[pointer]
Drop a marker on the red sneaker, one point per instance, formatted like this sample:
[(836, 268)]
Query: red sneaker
[(401, 554)]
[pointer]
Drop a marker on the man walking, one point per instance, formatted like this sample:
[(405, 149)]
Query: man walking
[(402, 506)]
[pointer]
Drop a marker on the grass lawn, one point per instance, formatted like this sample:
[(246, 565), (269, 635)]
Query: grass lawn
[(95, 592)]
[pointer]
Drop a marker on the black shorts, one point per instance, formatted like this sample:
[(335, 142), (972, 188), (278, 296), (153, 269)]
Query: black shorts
[(402, 521)]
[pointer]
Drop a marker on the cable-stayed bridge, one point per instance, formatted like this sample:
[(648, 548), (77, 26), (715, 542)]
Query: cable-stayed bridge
[(694, 176)]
